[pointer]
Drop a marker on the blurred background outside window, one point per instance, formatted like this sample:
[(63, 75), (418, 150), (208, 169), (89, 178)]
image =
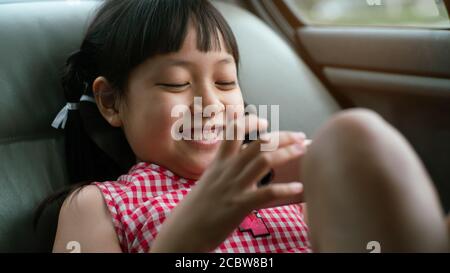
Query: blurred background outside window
[(410, 13)]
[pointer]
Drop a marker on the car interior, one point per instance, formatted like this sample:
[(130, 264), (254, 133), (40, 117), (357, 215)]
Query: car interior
[(311, 70)]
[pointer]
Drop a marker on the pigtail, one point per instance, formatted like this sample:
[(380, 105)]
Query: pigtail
[(95, 151), (76, 140)]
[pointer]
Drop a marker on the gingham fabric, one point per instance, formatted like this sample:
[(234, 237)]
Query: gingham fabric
[(140, 201)]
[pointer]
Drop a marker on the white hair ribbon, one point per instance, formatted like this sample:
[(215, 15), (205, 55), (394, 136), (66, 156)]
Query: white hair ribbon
[(61, 119)]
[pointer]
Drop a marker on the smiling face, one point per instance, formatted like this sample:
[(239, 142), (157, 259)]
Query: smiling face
[(162, 82)]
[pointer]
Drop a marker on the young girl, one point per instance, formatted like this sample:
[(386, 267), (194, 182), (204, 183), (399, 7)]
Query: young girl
[(140, 59)]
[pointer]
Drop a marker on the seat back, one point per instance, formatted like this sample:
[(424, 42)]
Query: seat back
[(35, 40)]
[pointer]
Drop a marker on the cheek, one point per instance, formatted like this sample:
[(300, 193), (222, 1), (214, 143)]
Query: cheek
[(157, 122), (148, 126), (236, 98)]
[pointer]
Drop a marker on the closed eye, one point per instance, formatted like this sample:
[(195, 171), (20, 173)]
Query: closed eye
[(226, 83), (173, 85), (226, 86)]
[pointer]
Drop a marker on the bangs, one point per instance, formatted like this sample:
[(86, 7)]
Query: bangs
[(145, 28), (173, 19)]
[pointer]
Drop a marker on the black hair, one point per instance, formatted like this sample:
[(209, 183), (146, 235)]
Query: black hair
[(122, 35)]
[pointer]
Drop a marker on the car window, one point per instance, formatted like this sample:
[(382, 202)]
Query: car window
[(413, 13)]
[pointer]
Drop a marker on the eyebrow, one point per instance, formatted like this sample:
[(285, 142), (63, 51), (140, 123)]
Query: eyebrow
[(179, 62)]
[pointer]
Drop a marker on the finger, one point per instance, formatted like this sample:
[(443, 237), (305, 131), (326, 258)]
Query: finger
[(274, 195), (235, 132), (260, 165), (285, 138)]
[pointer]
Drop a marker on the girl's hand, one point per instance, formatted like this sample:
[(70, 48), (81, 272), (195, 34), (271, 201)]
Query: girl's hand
[(291, 170), (227, 191)]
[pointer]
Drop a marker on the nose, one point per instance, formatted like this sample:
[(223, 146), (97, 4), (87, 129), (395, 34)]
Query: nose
[(207, 101)]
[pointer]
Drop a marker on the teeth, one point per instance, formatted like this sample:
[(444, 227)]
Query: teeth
[(209, 135)]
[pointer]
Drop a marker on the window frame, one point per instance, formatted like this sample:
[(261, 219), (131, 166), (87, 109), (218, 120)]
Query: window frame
[(283, 16)]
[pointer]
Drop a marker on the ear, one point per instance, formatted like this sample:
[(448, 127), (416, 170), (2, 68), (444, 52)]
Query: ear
[(106, 101)]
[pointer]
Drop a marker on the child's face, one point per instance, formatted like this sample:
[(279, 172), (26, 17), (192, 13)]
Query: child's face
[(145, 112)]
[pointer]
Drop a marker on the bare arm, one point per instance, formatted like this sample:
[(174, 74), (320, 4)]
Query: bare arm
[(85, 219)]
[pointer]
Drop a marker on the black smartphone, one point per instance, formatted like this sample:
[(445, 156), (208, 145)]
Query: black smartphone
[(269, 176)]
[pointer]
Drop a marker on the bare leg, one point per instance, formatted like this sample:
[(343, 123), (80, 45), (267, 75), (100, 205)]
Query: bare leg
[(364, 182)]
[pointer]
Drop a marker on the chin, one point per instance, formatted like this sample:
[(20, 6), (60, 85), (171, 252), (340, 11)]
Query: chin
[(196, 166), (194, 159)]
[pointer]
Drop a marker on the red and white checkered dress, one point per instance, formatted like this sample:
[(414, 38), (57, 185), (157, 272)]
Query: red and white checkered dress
[(140, 201)]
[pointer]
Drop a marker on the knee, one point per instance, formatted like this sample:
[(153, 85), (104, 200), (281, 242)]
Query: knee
[(353, 142), (359, 144), (360, 125), (357, 160), (355, 130)]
